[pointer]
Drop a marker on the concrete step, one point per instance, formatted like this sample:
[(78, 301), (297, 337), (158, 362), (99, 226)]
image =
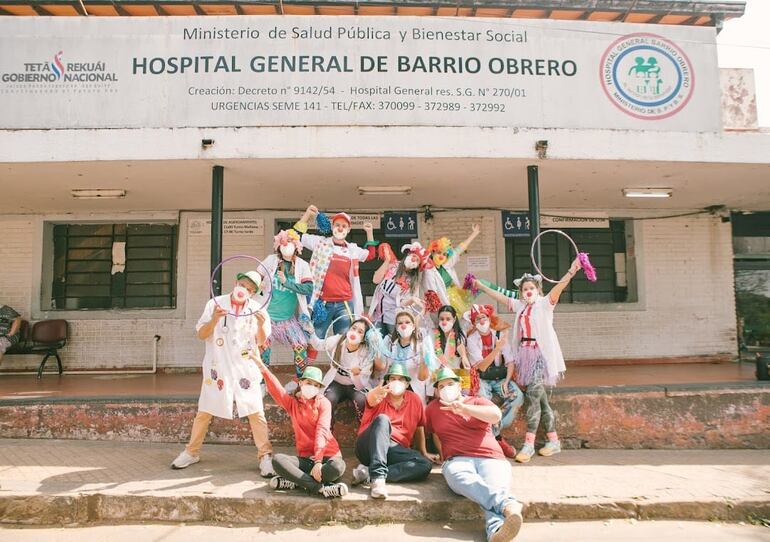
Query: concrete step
[(50, 482)]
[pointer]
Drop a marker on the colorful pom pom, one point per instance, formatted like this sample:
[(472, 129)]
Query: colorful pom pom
[(385, 252), (323, 224), (432, 301), (470, 284), (319, 311), (588, 269)]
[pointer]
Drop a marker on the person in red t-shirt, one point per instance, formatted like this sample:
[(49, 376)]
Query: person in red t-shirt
[(393, 417), (474, 464), (318, 465)]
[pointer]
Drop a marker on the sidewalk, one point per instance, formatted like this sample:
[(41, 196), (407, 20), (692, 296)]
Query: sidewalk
[(48, 482)]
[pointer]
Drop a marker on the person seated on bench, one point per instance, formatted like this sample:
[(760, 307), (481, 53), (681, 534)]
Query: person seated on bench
[(10, 322)]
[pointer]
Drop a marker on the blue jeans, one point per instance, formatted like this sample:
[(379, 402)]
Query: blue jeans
[(511, 404), (334, 310), (485, 481)]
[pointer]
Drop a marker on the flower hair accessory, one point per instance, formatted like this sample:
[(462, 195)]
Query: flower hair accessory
[(417, 249), (526, 277), (286, 237)]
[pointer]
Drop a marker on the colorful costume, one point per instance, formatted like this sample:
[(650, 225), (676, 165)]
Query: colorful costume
[(445, 258), (288, 302)]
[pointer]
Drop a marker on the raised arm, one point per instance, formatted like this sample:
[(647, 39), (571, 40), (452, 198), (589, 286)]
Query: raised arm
[(556, 291), (475, 231), (493, 293)]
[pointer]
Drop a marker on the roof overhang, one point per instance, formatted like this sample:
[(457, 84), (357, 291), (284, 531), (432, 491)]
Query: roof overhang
[(675, 12)]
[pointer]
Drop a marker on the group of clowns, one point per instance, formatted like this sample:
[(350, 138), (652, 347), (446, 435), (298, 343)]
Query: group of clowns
[(421, 367)]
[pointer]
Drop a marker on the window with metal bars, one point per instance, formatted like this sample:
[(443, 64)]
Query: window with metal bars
[(607, 249), (84, 276)]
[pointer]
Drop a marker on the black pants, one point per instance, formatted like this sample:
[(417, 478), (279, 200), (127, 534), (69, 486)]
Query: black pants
[(337, 393), (388, 459), (297, 469)]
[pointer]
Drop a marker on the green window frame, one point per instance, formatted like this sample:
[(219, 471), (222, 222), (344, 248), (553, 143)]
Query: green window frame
[(603, 244), (82, 276)]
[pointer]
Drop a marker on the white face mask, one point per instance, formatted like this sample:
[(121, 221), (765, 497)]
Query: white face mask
[(308, 391), (287, 251), (446, 327), (354, 338), (406, 331), (411, 262), (450, 393), (340, 235), (530, 296), (240, 294), (397, 387), (483, 328)]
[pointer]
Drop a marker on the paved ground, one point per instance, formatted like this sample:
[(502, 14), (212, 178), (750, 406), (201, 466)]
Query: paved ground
[(607, 531), (132, 481)]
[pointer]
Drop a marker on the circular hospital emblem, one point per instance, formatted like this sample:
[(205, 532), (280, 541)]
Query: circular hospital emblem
[(647, 76)]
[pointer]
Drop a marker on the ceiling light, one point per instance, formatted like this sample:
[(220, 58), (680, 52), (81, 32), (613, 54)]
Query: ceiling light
[(647, 192), (384, 190), (98, 193)]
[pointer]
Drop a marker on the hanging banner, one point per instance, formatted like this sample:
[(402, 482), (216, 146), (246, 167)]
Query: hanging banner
[(166, 72)]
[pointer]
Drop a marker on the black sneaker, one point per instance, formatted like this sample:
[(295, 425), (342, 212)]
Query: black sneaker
[(334, 490), (276, 482)]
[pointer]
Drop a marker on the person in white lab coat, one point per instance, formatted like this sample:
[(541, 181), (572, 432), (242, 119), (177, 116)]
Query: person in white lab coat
[(229, 376)]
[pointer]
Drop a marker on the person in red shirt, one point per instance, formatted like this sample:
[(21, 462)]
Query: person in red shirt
[(318, 465), (393, 417), (474, 464)]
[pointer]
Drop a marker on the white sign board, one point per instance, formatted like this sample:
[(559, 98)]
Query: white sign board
[(560, 219), (234, 226), (98, 72), (478, 263), (359, 219)]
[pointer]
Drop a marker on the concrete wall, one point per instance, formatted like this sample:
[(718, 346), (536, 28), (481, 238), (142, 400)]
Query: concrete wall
[(685, 285)]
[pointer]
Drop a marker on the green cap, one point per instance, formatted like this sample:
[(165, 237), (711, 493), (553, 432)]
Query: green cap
[(443, 373), (397, 369), (253, 276), (314, 374)]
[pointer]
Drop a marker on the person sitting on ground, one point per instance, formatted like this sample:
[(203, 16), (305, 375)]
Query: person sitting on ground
[(488, 351), (474, 464), (318, 465), (393, 417), (10, 323)]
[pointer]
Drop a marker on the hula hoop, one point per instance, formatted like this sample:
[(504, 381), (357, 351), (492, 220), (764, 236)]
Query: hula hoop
[(352, 319), (267, 292), (532, 253)]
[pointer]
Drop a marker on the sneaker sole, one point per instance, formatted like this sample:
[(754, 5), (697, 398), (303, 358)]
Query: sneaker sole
[(522, 460), (509, 529), (548, 454), (176, 467), (379, 497)]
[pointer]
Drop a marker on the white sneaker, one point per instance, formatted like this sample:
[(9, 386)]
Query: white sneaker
[(511, 524), (334, 490), (379, 490), (184, 460), (360, 475), (266, 466)]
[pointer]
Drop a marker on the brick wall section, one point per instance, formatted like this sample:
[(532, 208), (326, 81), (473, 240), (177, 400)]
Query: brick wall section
[(655, 418), (686, 308)]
